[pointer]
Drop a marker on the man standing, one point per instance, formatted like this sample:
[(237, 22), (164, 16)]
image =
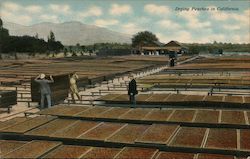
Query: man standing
[(132, 90), (44, 89), (73, 87)]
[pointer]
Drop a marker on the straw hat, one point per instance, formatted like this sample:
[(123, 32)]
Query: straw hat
[(42, 75)]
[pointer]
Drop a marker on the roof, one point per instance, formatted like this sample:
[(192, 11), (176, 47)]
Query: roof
[(174, 43)]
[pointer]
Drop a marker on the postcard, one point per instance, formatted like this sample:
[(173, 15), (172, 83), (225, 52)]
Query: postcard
[(163, 79)]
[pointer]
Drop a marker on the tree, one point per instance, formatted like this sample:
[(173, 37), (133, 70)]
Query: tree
[(143, 37), (51, 37), (83, 48), (4, 36), (65, 52), (36, 36), (53, 45), (1, 23), (70, 49)]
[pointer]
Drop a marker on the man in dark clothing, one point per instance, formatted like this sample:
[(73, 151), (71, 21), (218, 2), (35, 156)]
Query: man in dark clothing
[(44, 89), (132, 90), (172, 62)]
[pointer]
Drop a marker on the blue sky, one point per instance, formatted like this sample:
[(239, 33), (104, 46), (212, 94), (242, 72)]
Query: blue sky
[(223, 20)]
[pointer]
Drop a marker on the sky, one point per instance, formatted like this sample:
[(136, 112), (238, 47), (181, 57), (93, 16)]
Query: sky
[(188, 21)]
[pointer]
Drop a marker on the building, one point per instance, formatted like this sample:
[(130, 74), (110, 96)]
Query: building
[(158, 48)]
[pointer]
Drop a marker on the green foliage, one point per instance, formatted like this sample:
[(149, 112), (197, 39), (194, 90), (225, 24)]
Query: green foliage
[(74, 54), (9, 44), (36, 36), (143, 37), (97, 46), (51, 37), (217, 47), (1, 23), (53, 45)]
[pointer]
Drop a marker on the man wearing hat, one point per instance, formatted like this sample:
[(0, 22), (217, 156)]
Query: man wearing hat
[(44, 89), (73, 86), (132, 90)]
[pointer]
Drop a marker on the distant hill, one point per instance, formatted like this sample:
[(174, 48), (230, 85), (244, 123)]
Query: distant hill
[(69, 33)]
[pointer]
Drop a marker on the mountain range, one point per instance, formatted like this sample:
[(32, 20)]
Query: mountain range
[(69, 33)]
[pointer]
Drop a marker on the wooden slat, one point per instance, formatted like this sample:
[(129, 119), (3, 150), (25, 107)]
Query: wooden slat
[(245, 139), (157, 98), (189, 137), (158, 115), (54, 110), (247, 100), (248, 115), (76, 129), (142, 97), (29, 124), (182, 116), (175, 155), (108, 97), (158, 134), (128, 134), (175, 98), (33, 149), (72, 110), (233, 99), (233, 117), (7, 146), (134, 152), (101, 152), (213, 98), (113, 113), (222, 139), (192, 98), (136, 114), (207, 116), (214, 156), (51, 127), (121, 98), (68, 151), (102, 131), (12, 122), (93, 112)]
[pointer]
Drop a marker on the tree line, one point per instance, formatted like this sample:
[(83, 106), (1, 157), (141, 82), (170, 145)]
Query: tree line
[(32, 44), (215, 46), (28, 44), (146, 37)]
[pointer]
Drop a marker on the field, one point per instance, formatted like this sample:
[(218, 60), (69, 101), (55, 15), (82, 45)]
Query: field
[(197, 110)]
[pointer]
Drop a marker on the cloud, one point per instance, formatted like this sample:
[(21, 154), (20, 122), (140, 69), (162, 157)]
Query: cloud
[(156, 9), (11, 6), (219, 16), (131, 28), (60, 8), (231, 27), (181, 36), (92, 11), (33, 9), (242, 18), (104, 23), (15, 18), (168, 24), (192, 18), (211, 37), (50, 18), (120, 9), (184, 36)]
